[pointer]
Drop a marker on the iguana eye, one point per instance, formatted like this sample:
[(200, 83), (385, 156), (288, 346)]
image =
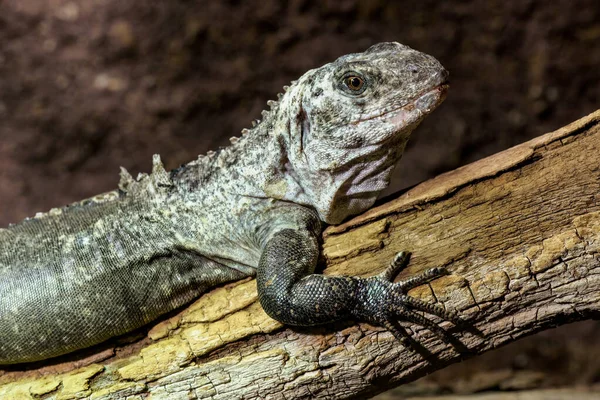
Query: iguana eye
[(354, 82)]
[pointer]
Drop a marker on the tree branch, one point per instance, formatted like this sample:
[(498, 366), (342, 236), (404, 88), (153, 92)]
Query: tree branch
[(519, 231)]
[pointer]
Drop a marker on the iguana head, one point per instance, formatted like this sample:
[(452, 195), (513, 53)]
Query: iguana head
[(350, 120)]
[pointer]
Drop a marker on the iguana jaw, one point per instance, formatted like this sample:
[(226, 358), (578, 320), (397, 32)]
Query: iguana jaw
[(406, 118), (425, 103)]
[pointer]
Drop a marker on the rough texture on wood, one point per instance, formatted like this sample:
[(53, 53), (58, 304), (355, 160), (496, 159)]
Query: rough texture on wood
[(547, 394), (519, 231)]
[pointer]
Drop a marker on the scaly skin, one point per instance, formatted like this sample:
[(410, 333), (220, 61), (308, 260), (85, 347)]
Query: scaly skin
[(77, 276)]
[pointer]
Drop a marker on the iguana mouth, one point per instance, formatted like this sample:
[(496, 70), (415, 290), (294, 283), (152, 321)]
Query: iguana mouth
[(423, 102), (428, 101)]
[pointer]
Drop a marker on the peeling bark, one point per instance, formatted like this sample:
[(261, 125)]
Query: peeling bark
[(519, 232)]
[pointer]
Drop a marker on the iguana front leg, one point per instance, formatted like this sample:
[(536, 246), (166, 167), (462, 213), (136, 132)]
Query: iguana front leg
[(291, 293)]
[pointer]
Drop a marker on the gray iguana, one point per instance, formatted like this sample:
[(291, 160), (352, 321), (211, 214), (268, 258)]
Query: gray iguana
[(79, 275)]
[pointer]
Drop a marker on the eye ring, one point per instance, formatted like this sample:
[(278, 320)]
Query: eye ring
[(354, 82)]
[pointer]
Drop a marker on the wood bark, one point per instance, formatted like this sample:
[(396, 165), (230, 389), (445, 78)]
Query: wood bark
[(519, 232), (542, 394)]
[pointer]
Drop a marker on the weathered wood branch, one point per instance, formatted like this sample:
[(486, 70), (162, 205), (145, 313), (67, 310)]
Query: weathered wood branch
[(519, 231), (540, 394)]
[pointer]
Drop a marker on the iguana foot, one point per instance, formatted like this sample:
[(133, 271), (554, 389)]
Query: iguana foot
[(382, 302)]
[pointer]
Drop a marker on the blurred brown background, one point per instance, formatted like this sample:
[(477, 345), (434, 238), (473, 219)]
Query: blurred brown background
[(87, 86)]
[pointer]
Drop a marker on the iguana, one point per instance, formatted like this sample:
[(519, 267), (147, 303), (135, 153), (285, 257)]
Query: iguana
[(79, 275)]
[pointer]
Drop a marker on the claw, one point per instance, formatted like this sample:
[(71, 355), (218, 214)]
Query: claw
[(385, 303), (431, 308), (404, 304), (400, 261), (399, 333), (411, 316), (422, 278)]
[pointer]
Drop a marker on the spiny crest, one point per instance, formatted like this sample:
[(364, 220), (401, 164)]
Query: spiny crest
[(53, 212), (205, 159), (272, 104), (227, 154), (158, 181), (100, 198)]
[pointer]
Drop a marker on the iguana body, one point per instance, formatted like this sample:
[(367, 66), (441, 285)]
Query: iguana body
[(77, 276)]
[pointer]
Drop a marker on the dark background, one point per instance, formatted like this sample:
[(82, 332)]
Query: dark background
[(88, 86)]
